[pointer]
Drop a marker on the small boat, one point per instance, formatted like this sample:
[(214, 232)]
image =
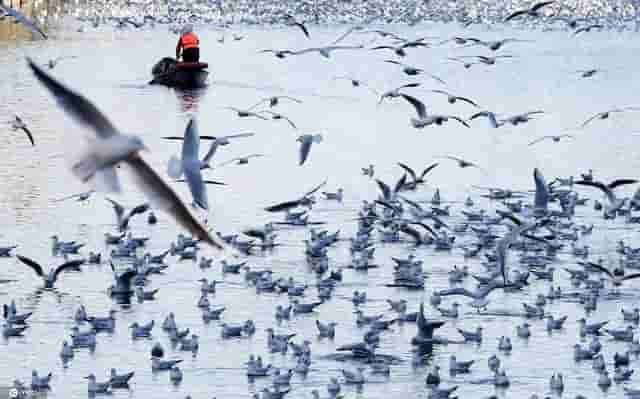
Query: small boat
[(183, 75)]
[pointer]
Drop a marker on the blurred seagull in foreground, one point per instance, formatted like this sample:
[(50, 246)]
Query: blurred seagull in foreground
[(111, 148)]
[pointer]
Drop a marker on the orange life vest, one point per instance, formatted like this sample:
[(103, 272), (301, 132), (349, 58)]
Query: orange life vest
[(190, 40)]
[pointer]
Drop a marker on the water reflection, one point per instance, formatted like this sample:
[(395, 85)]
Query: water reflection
[(189, 100)]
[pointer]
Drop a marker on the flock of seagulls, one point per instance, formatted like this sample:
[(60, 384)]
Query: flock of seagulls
[(543, 231)]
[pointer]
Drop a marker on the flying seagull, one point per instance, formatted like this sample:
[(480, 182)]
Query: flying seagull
[(293, 22), (423, 119), (18, 124), (393, 93), (607, 114), (275, 100), (555, 139), (530, 12), (451, 99), (305, 200), (306, 140), (464, 164), (147, 179), (413, 71), (416, 180), (191, 166), (51, 277), (614, 203), (21, 18), (216, 142)]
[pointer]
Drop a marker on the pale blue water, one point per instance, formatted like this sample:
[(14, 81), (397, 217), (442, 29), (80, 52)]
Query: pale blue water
[(112, 69)]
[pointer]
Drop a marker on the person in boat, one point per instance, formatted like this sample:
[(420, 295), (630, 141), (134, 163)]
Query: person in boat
[(188, 45)]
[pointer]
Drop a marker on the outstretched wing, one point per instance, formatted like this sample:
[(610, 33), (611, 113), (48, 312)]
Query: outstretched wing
[(32, 264), (421, 110), (74, 264), (408, 170), (76, 105)]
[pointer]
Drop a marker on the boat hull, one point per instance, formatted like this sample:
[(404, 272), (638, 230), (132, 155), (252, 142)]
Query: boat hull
[(182, 75)]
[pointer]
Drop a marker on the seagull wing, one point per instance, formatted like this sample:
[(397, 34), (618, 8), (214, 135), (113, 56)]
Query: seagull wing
[(621, 182), (76, 105), (421, 110), (459, 120), (305, 148), (158, 191), (400, 183), (539, 140), (303, 28), (29, 135), (427, 170), (283, 206), (606, 190), (315, 189), (32, 264), (408, 170), (386, 191), (191, 143), (541, 199), (68, 265), (467, 101), (516, 15), (24, 20), (538, 6), (598, 115), (631, 276), (602, 269), (212, 151)]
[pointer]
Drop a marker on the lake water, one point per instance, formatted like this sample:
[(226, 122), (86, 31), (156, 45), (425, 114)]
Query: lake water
[(112, 69)]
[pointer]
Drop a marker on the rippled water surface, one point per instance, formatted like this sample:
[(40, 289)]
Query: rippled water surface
[(112, 69)]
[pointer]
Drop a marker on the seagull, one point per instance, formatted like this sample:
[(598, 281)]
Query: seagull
[(277, 116), (21, 18), (520, 118), (278, 53), (452, 99), (530, 12), (393, 93), (80, 196), (555, 139), (305, 200), (241, 160), (464, 164), (122, 219), (327, 50), (587, 28), (490, 60), (615, 279), (191, 165), (400, 50), (413, 71), (292, 21), (274, 101), (306, 140), (426, 120), (356, 82), (417, 179), (54, 61), (496, 45), (607, 114), (614, 204), (18, 124), (50, 278), (106, 134), (587, 73), (246, 113), (216, 142)]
